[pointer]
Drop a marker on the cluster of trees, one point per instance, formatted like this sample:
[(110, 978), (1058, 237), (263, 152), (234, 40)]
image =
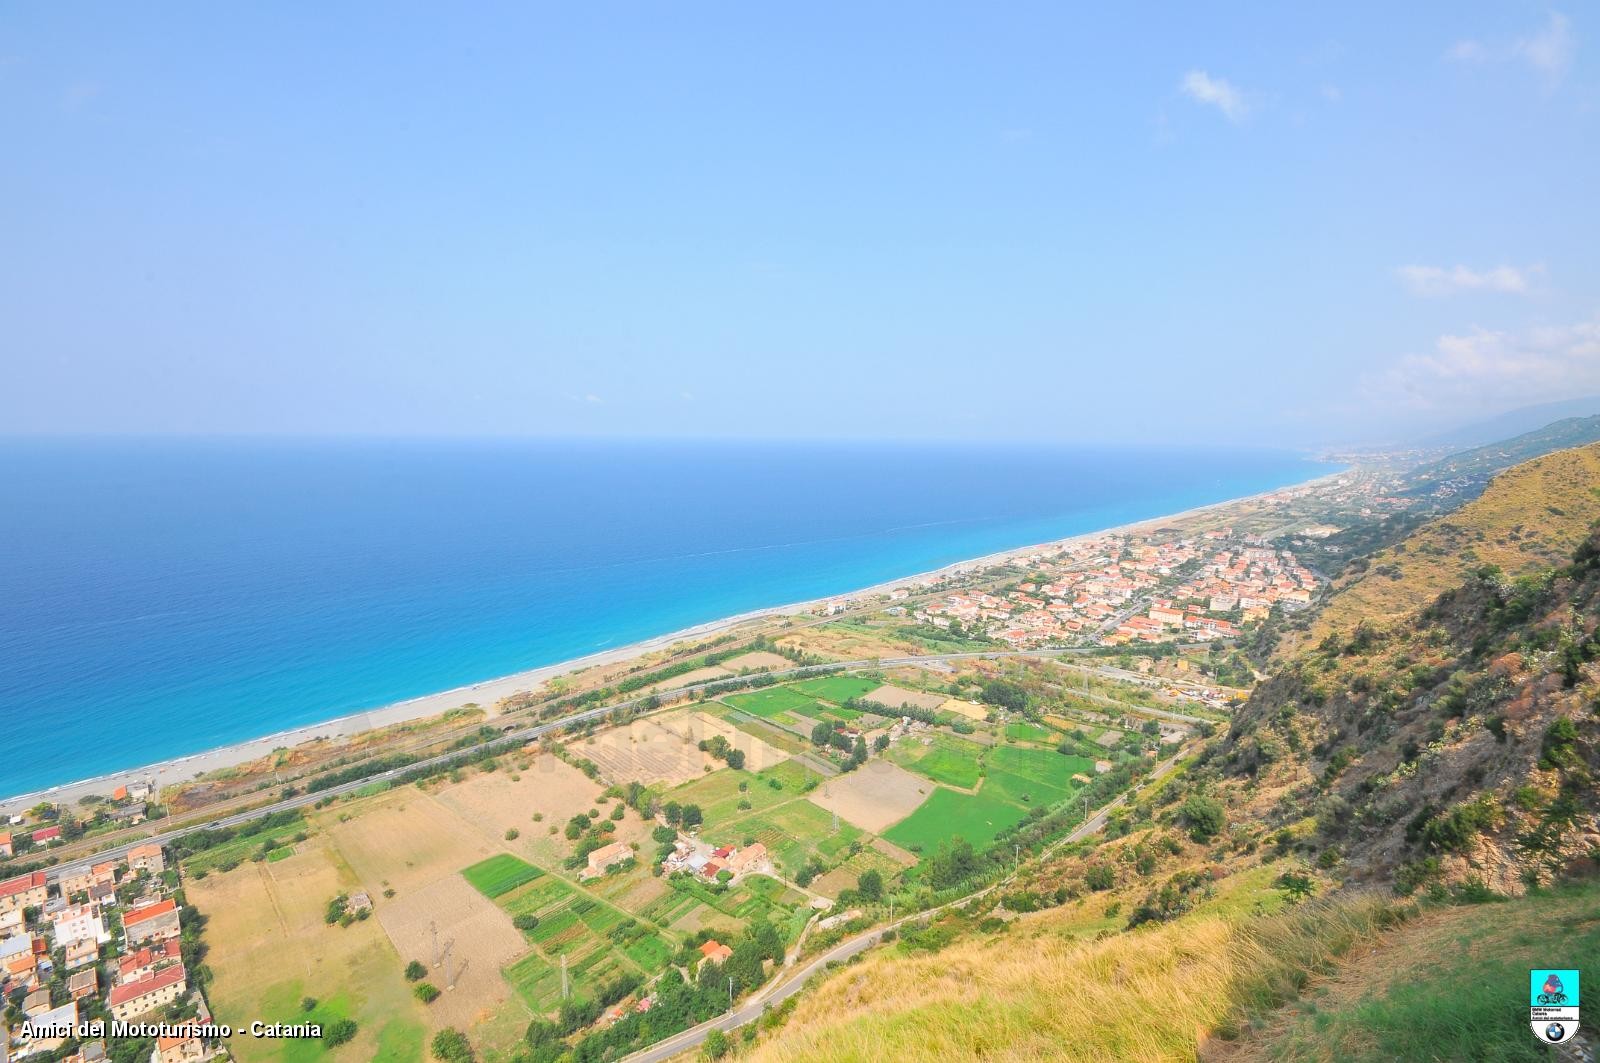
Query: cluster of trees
[(686, 816), (826, 734), (720, 748), (200, 840)]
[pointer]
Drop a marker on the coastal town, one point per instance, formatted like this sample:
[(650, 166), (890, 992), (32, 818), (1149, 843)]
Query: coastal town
[(102, 949)]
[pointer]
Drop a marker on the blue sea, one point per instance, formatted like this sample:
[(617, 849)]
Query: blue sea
[(160, 598)]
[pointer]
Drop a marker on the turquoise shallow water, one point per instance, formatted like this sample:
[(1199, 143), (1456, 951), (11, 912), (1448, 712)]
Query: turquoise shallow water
[(162, 598)]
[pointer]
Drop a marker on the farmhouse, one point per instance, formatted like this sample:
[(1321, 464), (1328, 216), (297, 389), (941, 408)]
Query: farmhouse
[(714, 951), (747, 858), (147, 994), (29, 891), (153, 922), (606, 856), (47, 836)]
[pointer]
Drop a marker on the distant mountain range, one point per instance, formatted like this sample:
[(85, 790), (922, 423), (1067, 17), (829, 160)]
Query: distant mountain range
[(1513, 423)]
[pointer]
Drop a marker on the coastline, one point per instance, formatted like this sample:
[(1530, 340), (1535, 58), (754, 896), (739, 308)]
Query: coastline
[(487, 693)]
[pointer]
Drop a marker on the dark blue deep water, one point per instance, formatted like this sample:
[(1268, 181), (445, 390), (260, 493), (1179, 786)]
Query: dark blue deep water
[(162, 598)]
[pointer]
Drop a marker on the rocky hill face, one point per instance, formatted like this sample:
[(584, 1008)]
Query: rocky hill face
[(1442, 725)]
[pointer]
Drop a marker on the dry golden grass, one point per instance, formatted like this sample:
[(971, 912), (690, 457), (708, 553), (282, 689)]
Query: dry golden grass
[(1530, 516), (1147, 995)]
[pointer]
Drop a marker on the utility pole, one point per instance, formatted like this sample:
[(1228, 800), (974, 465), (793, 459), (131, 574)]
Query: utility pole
[(730, 992)]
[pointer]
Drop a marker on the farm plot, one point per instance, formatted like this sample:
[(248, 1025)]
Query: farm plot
[(970, 709), (874, 796), (948, 814), (848, 873), (475, 938), (1044, 765), (653, 751), (941, 758), (272, 948), (894, 697), (835, 688), (759, 660), (690, 678), (406, 839), (499, 874), (767, 731), (774, 702), (491, 803), (1031, 732), (793, 833)]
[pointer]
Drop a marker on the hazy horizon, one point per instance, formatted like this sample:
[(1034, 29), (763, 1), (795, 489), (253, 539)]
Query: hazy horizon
[(1248, 228)]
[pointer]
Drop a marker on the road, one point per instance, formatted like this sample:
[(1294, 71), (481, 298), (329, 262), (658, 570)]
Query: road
[(787, 985), (521, 735)]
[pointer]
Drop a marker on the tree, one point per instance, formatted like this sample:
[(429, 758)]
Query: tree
[(674, 813), (1203, 816), (735, 758), (822, 733), (955, 862), (426, 992), (452, 1046), (415, 972), (1006, 694), (525, 921), (691, 816), (1296, 887), (716, 1045), (870, 885), (880, 743), (1100, 877), (339, 1033)]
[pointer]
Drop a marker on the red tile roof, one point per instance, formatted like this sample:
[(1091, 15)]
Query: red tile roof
[(15, 886), (149, 912), (160, 980)]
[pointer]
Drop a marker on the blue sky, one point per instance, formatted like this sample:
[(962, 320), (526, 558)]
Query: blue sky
[(1153, 223)]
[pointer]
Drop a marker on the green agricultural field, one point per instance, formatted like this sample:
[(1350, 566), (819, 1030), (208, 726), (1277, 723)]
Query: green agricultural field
[(1031, 732), (773, 701), (500, 874), (836, 688), (1021, 790), (947, 760), (238, 850), (978, 818), (768, 731), (1045, 765), (793, 832)]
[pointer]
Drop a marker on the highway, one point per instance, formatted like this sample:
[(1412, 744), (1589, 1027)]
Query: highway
[(787, 985), (519, 736)]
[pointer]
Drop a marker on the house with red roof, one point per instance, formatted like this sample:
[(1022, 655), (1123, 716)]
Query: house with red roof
[(154, 922), (147, 994)]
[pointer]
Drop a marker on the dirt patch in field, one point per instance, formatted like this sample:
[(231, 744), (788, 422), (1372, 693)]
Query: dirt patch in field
[(651, 751), (970, 709), (874, 796), (903, 857), (845, 645), (896, 697), (695, 727), (405, 840), (758, 659), (497, 801), (475, 940)]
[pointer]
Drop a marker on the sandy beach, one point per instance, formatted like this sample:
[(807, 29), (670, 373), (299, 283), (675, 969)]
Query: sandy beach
[(489, 692)]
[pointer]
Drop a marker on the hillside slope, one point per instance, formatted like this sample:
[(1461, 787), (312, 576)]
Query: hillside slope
[(1440, 739), (1530, 516)]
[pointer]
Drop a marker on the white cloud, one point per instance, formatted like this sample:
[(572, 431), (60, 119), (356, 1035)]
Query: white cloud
[(591, 397), (1437, 280), (1218, 92), (1497, 367), (1332, 93), (1550, 50)]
